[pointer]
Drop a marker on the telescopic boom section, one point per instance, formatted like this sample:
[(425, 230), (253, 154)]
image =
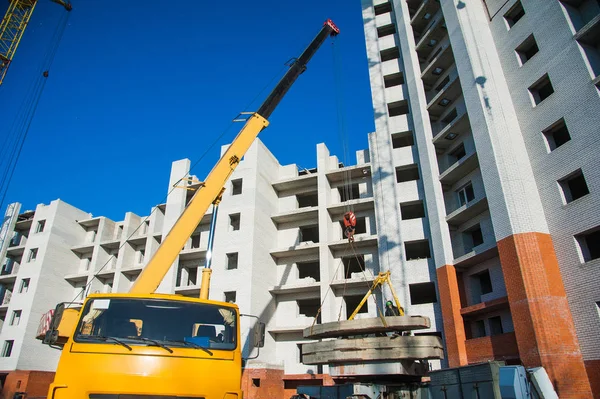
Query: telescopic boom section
[(167, 252)]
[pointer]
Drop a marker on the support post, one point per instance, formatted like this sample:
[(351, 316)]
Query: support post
[(207, 271)]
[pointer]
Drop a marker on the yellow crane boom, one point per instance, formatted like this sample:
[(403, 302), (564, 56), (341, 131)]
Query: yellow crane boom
[(12, 28)]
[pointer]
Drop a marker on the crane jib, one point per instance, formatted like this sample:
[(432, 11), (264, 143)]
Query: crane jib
[(296, 69)]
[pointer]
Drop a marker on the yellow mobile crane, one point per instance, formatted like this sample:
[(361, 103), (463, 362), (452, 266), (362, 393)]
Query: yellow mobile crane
[(12, 28), (146, 345)]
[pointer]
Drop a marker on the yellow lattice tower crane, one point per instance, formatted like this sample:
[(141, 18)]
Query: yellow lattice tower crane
[(13, 26)]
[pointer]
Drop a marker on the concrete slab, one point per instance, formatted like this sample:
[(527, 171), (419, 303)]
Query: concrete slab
[(373, 349), (395, 368), (366, 326)]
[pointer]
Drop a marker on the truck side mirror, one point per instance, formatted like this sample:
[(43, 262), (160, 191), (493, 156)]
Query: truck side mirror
[(51, 335), (259, 335)]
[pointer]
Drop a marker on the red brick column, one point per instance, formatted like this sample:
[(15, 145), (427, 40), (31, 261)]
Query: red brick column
[(270, 380), (454, 328), (541, 316)]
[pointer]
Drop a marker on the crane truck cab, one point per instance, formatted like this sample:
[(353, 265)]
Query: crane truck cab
[(149, 345)]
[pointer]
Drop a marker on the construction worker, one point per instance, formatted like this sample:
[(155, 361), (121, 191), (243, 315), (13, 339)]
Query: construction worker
[(349, 225), (391, 310)]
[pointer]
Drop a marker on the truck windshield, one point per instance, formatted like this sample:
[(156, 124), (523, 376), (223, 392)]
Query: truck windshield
[(170, 323)]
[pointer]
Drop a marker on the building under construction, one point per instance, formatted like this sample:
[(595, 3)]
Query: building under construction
[(477, 193)]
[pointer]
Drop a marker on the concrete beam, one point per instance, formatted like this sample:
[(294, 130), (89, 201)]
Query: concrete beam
[(373, 349), (366, 326)]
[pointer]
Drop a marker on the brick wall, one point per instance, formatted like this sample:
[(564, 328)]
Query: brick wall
[(274, 384), (498, 347), (543, 324), (35, 383)]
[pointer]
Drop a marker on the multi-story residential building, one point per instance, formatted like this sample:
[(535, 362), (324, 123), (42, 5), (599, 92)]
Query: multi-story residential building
[(485, 163), (279, 253)]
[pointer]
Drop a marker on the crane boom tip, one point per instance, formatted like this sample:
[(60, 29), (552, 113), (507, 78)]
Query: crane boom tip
[(335, 29)]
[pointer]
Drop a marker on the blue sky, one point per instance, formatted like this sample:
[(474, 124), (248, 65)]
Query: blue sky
[(136, 85)]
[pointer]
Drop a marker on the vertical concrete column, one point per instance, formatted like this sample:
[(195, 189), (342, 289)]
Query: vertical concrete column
[(387, 212), (326, 261), (175, 206), (454, 333), (543, 323)]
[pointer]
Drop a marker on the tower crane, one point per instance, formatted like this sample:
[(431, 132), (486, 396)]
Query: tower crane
[(13, 26)]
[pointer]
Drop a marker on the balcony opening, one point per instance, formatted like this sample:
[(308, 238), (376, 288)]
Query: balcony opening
[(307, 200), (196, 241), (422, 293), (412, 210), (479, 329), (230, 296), (32, 255), (495, 325), (386, 30), (383, 8), (141, 253), (41, 224), (7, 267), (450, 116), (389, 54), (309, 269), (15, 318), (236, 187), (360, 228), (353, 264), (472, 238), (465, 194), (573, 186), (589, 244), (481, 284), (407, 173), (418, 249), (398, 108), (514, 14), (84, 263), (309, 308), (402, 139), (556, 135), (349, 192), (394, 79), (526, 50), (192, 276), (442, 84), (352, 302), (7, 348), (484, 282), (232, 261), (24, 286), (309, 234), (457, 154), (541, 90), (234, 222), (581, 11)]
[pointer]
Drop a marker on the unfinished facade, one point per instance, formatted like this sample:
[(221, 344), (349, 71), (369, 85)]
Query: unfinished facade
[(486, 117), (279, 253)]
